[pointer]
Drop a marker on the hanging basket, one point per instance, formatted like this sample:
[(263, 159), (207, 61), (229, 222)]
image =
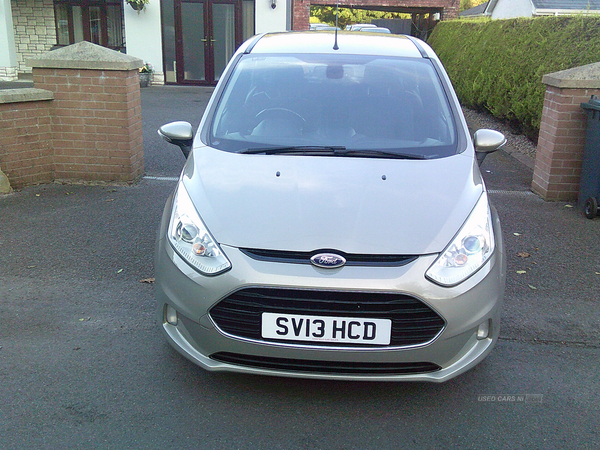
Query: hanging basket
[(138, 5)]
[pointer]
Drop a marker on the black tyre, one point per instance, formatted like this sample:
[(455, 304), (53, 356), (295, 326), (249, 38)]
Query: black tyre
[(590, 209)]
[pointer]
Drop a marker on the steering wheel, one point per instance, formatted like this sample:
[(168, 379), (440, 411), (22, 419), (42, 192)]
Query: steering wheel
[(279, 113)]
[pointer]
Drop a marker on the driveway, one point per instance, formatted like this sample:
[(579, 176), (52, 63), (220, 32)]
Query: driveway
[(83, 364)]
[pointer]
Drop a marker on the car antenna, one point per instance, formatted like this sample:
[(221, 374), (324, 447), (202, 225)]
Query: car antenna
[(337, 13)]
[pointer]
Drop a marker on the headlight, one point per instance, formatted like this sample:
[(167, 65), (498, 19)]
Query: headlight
[(192, 240), (468, 251)]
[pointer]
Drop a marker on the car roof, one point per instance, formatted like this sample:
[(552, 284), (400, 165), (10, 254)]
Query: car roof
[(350, 43), (375, 30), (360, 25)]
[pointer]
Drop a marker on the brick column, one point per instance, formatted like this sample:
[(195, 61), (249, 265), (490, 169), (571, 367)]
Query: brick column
[(96, 112), (562, 132)]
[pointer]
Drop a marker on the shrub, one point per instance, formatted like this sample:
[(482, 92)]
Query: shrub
[(498, 65)]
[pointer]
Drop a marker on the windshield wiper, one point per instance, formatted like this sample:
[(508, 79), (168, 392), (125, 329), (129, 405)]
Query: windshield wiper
[(379, 154), (302, 149), (331, 150)]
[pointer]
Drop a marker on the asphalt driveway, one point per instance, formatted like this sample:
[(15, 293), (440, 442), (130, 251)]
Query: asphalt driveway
[(83, 365)]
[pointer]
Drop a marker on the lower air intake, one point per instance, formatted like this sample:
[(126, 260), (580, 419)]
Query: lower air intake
[(325, 367)]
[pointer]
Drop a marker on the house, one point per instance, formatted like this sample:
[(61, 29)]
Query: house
[(506, 9), (476, 11), (187, 42)]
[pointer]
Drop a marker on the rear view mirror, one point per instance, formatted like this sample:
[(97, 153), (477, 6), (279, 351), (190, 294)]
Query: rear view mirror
[(178, 133), (487, 141)]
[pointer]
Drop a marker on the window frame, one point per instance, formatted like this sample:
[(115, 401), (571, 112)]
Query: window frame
[(85, 6)]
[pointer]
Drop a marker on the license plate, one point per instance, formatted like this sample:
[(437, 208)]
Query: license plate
[(344, 330)]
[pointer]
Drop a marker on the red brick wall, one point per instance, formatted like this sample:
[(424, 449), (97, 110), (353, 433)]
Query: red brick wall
[(301, 8), (561, 143), (96, 123), (91, 131), (26, 142)]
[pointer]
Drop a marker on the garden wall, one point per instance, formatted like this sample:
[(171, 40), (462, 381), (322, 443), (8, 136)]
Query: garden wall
[(81, 123)]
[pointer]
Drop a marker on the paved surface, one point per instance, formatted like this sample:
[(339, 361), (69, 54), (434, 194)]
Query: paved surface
[(83, 365)]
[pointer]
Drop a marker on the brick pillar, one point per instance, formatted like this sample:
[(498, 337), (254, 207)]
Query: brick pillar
[(96, 112), (300, 15), (562, 132)]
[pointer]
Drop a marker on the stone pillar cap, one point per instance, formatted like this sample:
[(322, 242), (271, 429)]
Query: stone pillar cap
[(85, 55), (584, 77)]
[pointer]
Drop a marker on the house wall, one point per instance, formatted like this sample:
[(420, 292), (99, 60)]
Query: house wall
[(8, 56), (506, 9), (269, 19), (143, 36), (34, 28)]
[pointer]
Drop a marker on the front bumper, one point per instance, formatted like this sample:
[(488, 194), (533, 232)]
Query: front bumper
[(466, 309)]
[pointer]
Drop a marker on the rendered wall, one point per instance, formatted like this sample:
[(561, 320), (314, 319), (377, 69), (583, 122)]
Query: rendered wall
[(269, 19), (8, 56), (143, 36), (507, 9)]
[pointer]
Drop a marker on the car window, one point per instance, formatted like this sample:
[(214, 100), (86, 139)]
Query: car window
[(358, 102)]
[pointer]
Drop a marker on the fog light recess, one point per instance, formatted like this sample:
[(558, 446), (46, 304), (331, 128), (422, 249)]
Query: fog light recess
[(483, 332), (171, 315)]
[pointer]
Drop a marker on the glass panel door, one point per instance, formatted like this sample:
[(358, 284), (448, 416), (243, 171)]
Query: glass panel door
[(194, 41), (78, 24), (95, 25), (247, 19), (223, 36), (114, 26), (201, 36)]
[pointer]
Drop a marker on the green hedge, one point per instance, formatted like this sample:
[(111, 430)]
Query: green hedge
[(498, 65)]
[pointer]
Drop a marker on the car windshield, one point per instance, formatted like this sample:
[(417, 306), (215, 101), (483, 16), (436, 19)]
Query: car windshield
[(364, 105)]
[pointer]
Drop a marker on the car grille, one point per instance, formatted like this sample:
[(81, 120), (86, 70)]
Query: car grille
[(351, 259), (413, 322), (324, 367)]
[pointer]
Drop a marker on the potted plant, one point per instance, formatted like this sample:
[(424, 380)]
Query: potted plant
[(138, 5), (146, 74)]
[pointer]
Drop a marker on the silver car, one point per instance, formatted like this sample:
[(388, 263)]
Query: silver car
[(308, 239)]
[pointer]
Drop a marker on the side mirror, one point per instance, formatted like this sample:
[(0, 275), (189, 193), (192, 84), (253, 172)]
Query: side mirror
[(487, 141), (178, 133)]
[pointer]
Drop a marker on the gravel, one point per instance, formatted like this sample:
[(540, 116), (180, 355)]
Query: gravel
[(517, 145)]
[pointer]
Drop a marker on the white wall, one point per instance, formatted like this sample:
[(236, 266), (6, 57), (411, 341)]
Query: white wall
[(143, 35), (143, 32), (8, 56), (506, 9), (268, 19)]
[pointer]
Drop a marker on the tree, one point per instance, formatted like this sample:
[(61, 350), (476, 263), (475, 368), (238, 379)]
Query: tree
[(349, 16), (468, 4)]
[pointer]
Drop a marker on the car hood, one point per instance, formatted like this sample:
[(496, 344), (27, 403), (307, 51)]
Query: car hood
[(352, 205)]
